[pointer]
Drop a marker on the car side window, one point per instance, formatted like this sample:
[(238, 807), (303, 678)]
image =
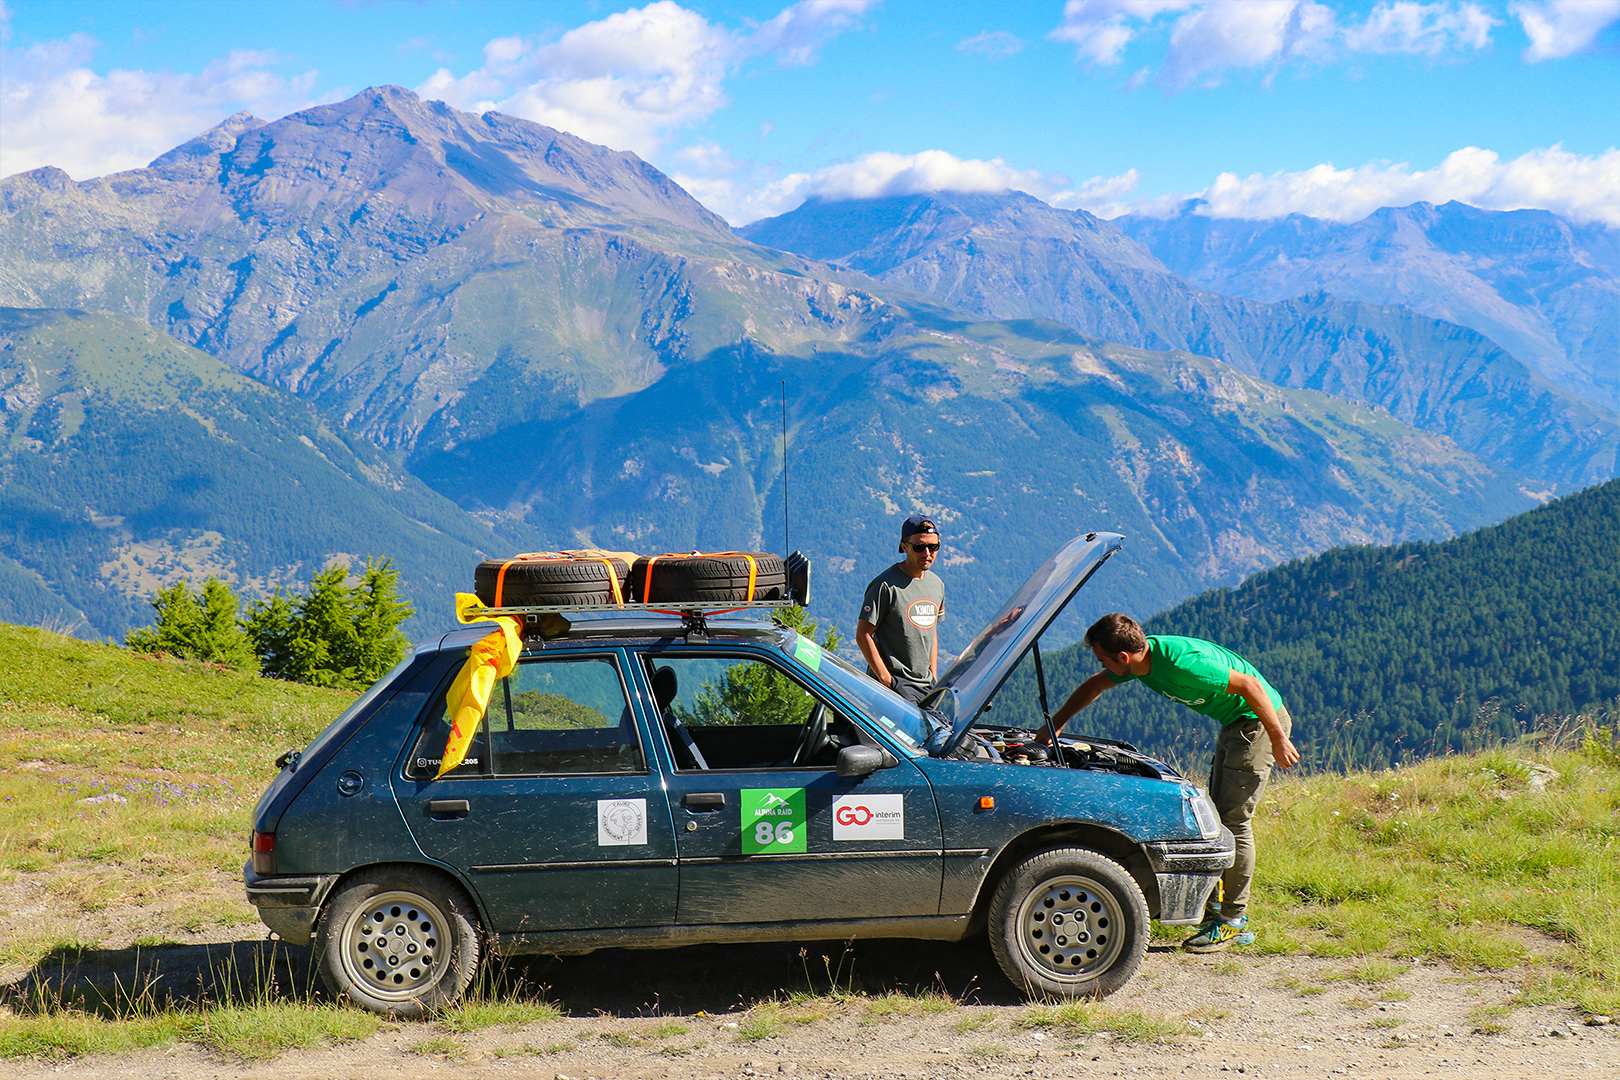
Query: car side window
[(727, 691), (736, 712), (550, 717)]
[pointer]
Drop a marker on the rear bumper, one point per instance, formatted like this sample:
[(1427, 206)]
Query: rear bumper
[(1187, 872), (288, 904)]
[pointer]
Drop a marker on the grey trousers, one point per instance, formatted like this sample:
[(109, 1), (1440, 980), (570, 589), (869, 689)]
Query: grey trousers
[(1237, 779)]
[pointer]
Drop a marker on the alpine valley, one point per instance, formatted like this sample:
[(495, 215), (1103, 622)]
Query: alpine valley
[(386, 327)]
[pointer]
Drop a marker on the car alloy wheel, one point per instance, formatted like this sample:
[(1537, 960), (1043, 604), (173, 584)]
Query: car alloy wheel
[(400, 940), (1068, 928), (1068, 923), (396, 945)]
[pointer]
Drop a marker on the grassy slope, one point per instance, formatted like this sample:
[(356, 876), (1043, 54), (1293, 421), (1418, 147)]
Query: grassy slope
[(1458, 858), (186, 748)]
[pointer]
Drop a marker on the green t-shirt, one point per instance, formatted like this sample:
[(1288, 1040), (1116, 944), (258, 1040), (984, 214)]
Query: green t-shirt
[(1195, 672)]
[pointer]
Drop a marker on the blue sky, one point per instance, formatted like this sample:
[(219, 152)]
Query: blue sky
[(1261, 107)]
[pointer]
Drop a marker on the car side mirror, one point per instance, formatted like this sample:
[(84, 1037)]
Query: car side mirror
[(860, 760)]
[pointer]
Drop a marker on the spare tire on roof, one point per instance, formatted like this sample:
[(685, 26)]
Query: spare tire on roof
[(727, 577), (548, 578)]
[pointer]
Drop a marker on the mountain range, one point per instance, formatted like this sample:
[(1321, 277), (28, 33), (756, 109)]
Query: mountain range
[(131, 459), (1545, 289), (532, 341), (1011, 256)]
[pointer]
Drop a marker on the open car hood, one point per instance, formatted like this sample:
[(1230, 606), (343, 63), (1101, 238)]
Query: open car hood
[(968, 684)]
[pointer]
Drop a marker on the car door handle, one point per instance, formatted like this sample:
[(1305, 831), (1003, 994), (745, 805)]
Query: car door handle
[(712, 800), (448, 808)]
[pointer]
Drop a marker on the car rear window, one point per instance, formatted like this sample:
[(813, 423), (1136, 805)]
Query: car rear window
[(551, 716)]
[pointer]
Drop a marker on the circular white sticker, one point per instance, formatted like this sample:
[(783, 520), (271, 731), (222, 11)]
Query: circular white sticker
[(923, 614)]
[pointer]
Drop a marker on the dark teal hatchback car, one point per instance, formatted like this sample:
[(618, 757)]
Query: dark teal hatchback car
[(653, 780)]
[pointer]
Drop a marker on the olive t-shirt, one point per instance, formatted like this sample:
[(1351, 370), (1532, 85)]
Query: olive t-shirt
[(1195, 672), (905, 612)]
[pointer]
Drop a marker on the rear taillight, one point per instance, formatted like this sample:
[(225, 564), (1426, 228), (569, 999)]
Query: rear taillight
[(264, 853)]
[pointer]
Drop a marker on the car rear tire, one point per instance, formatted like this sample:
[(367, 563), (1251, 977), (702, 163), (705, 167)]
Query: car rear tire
[(403, 941), (1069, 923)]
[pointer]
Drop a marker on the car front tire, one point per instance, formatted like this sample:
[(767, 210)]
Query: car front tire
[(402, 941), (1069, 923)]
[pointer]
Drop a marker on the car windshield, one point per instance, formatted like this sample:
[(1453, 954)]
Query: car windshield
[(908, 724)]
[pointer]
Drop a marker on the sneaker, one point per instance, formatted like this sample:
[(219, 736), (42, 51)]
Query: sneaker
[(1245, 938), (1215, 935)]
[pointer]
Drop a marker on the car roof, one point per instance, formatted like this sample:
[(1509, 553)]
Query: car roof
[(595, 626)]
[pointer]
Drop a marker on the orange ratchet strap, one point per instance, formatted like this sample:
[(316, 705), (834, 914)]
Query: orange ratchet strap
[(553, 556), (753, 569)]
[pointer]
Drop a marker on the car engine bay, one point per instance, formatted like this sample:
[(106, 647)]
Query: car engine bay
[(1018, 746)]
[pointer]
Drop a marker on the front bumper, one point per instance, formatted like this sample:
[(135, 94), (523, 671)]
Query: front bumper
[(1187, 872), (288, 904)]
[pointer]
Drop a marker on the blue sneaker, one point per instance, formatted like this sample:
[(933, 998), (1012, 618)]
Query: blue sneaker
[(1216, 934)]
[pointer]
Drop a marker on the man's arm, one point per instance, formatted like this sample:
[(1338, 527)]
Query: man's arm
[(933, 656), (868, 646), (1249, 688), (1083, 695)]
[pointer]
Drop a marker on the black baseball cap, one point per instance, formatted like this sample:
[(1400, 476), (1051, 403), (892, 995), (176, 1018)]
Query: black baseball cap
[(917, 523)]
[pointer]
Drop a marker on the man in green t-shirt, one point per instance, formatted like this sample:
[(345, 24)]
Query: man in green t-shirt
[(1254, 735)]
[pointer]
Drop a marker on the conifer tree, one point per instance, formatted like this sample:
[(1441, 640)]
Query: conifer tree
[(334, 635), (196, 627)]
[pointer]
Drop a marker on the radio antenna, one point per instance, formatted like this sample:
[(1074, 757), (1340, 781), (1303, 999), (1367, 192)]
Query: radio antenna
[(786, 547)]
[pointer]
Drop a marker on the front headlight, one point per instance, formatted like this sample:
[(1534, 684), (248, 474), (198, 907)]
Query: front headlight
[(1200, 813)]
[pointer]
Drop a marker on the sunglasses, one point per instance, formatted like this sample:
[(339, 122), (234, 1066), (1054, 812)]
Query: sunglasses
[(920, 548)]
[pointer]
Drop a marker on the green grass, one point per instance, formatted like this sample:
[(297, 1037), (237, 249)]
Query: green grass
[(1075, 1018), (762, 1022), (175, 752), (484, 1011), (243, 1030), (1457, 859), (439, 1046)]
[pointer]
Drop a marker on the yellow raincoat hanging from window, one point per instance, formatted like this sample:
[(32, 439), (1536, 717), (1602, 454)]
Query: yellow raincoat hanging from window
[(490, 659)]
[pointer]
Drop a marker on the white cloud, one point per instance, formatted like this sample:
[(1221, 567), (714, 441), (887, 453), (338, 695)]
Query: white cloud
[(996, 44), (57, 111), (628, 79), (882, 174), (743, 192), (1560, 28), (1579, 187), (1582, 188), (1421, 28), (1100, 29), (1207, 39), (795, 34), (1214, 37), (1100, 195)]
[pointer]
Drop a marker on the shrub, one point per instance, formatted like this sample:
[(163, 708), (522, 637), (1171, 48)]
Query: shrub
[(196, 627)]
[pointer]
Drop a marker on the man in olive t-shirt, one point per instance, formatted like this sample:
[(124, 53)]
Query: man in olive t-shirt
[(1254, 735), (898, 629)]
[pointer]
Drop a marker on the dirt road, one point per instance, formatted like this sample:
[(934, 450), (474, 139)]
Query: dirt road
[(685, 1014)]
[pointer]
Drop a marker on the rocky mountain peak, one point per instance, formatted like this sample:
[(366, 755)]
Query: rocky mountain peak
[(217, 140), (426, 151), (879, 234)]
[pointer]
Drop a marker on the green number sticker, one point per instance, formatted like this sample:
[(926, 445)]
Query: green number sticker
[(808, 652), (773, 820)]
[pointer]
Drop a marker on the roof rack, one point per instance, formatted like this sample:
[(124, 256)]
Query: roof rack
[(694, 617), (668, 607)]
